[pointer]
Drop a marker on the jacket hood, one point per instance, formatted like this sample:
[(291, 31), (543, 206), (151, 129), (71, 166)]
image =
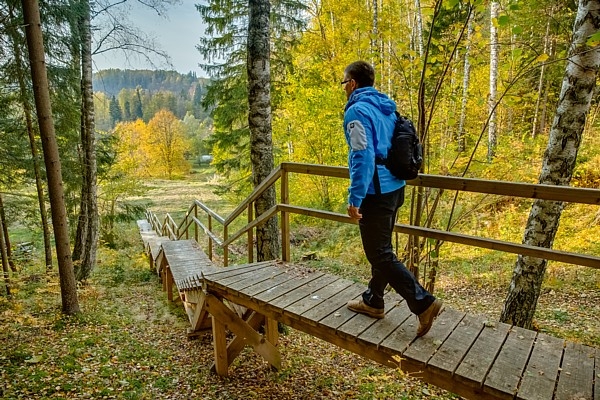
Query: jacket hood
[(370, 95)]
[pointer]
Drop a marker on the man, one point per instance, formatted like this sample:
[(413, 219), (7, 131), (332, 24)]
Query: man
[(375, 196)]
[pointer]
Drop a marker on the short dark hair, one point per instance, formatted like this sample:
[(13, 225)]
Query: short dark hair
[(362, 72)]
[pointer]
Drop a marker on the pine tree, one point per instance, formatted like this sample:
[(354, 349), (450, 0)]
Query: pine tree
[(116, 115)]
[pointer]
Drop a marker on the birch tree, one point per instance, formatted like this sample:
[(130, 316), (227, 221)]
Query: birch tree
[(419, 27), (535, 125), (578, 87), (460, 137), (492, 128)]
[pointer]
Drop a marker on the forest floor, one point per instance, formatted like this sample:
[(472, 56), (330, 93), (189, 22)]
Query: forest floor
[(130, 343)]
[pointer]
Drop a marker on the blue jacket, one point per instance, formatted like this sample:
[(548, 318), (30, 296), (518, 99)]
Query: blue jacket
[(368, 125)]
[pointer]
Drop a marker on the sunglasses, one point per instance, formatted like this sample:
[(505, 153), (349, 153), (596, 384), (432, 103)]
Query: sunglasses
[(346, 81)]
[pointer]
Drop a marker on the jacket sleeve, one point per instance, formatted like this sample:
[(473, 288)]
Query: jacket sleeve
[(361, 158)]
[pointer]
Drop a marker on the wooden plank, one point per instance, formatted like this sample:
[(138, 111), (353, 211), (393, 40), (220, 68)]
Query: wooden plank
[(422, 349), (505, 374), (382, 328), (286, 287), (332, 304), (259, 287), (539, 378), (474, 367), (340, 316), (264, 274), (220, 347), (317, 297), (360, 323), (300, 292), (189, 269), (576, 377), (446, 360), (243, 275), (397, 341), (225, 272)]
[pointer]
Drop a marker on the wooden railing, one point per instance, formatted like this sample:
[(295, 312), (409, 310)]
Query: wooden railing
[(533, 191)]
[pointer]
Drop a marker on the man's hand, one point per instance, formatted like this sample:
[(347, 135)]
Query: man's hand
[(354, 212)]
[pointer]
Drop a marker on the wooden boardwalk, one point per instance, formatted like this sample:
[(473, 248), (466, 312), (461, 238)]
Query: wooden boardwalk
[(463, 353)]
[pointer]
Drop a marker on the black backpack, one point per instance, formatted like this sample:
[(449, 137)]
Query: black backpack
[(405, 154)]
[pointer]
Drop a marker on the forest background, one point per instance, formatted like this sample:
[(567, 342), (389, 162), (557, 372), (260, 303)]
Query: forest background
[(490, 74)]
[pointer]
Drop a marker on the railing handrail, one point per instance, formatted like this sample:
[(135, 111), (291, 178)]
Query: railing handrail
[(492, 244), (256, 193), (210, 212), (504, 188), (513, 189)]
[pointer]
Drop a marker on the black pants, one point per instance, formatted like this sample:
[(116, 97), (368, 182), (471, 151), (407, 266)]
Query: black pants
[(376, 226)]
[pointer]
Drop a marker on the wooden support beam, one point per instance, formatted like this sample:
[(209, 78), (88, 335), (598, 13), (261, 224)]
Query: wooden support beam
[(235, 347), (160, 262), (272, 331), (200, 313), (230, 320), (169, 283), (220, 347)]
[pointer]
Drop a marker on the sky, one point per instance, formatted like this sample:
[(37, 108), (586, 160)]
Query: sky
[(177, 35)]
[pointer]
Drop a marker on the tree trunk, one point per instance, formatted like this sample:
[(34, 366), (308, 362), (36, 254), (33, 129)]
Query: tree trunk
[(546, 91), (33, 146), (375, 53), (6, 244), (4, 259), (39, 78), (419, 27), (86, 240), (536, 112), (259, 120), (492, 129), (559, 161), (460, 137)]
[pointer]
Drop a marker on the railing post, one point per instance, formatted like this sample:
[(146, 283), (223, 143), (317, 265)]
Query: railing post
[(210, 241), (285, 218), (250, 235), (187, 226), (195, 224), (225, 247)]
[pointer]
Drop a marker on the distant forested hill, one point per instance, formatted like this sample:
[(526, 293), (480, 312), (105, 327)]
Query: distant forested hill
[(112, 81), (129, 95)]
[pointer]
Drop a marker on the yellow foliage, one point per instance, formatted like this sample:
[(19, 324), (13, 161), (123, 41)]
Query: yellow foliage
[(166, 145), (155, 149)]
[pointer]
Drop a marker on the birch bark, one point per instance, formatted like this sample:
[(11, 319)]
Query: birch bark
[(492, 128), (576, 93)]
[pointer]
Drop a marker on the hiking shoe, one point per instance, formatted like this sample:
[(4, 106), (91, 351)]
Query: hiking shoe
[(361, 307), (427, 317)]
